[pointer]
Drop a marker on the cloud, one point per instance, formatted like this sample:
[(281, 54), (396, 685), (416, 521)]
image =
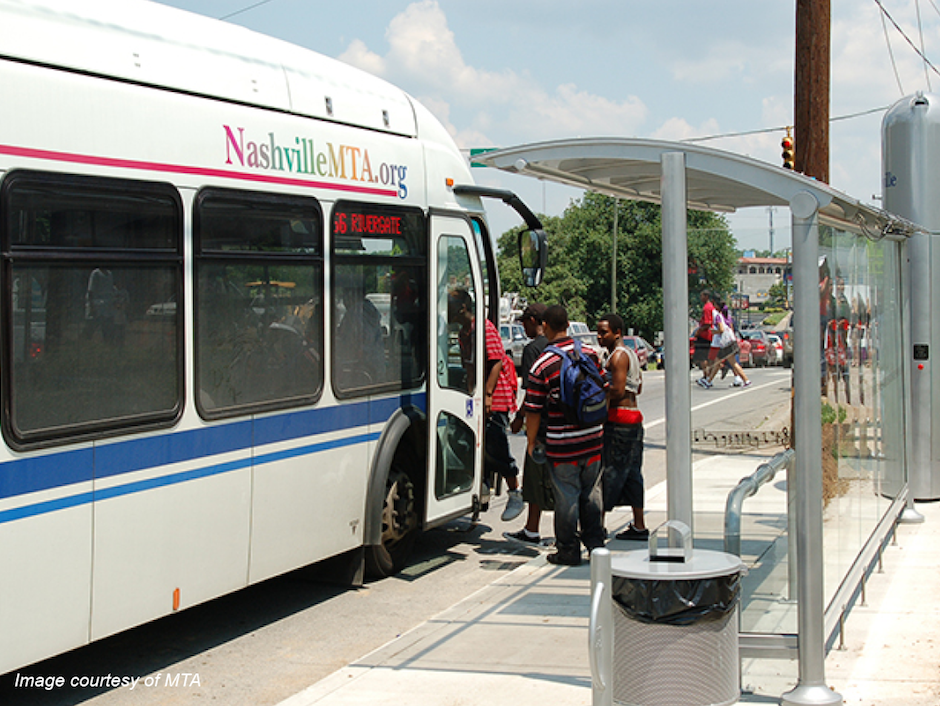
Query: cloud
[(729, 62), (863, 73), (494, 107), (358, 54), (680, 129)]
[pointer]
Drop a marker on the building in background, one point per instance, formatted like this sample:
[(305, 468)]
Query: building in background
[(754, 277)]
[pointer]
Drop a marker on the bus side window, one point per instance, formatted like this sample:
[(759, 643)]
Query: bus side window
[(259, 294), (379, 310), (96, 271)]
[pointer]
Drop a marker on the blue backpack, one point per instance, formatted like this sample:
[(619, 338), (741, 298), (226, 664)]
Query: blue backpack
[(583, 397)]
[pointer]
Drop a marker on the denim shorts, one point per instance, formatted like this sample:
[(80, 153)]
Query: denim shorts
[(623, 465)]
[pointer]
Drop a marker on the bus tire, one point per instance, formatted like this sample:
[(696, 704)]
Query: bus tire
[(399, 528)]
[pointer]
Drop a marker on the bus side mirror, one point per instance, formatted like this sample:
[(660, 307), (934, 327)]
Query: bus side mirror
[(533, 256)]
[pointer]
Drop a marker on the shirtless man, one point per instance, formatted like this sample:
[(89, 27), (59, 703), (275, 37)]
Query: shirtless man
[(623, 432)]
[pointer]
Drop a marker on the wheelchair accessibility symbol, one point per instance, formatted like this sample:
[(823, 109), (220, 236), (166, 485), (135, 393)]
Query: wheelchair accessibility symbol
[(469, 408)]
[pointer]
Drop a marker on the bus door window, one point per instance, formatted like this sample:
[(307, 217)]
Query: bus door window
[(456, 337), (259, 301), (456, 364)]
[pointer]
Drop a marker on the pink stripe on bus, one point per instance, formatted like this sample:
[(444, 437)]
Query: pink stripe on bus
[(182, 169)]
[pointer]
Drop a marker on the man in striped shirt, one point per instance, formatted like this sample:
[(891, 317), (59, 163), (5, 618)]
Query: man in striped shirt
[(573, 450)]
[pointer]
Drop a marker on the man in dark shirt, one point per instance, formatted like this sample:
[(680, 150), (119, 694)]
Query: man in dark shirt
[(573, 450), (536, 473)]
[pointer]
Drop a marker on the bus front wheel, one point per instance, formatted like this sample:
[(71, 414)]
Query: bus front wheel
[(399, 528)]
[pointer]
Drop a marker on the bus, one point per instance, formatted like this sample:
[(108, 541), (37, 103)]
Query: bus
[(225, 348)]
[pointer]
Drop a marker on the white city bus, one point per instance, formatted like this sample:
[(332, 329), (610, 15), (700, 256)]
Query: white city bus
[(224, 341)]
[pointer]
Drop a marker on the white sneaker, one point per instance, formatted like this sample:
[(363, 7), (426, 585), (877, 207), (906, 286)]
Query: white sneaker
[(514, 506), (738, 382)]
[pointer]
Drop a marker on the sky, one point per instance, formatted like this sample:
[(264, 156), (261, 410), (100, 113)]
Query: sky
[(499, 73)]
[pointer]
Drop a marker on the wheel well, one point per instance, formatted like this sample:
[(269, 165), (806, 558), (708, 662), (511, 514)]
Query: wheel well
[(403, 445)]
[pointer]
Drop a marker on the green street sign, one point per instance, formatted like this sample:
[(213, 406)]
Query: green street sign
[(479, 150)]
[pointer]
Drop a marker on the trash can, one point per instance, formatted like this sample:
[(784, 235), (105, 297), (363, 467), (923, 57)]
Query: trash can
[(664, 624)]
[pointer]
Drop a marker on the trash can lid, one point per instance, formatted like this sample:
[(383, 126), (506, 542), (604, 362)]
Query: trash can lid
[(704, 564)]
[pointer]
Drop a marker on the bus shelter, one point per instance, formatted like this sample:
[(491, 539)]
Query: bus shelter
[(848, 479)]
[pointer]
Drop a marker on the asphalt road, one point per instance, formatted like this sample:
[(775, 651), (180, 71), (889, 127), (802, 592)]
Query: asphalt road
[(269, 641)]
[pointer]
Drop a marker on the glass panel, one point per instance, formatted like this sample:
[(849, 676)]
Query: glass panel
[(259, 335), (455, 446), (862, 454), (479, 233), (456, 338), (232, 221), (380, 320), (369, 229), (85, 352), (259, 322), (92, 345), (380, 317), (862, 417), (58, 211)]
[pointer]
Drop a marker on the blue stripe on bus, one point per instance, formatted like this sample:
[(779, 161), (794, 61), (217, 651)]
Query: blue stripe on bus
[(19, 513), (57, 469), (176, 478)]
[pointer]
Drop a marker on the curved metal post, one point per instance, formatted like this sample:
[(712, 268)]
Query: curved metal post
[(811, 688), (746, 488), (676, 329)]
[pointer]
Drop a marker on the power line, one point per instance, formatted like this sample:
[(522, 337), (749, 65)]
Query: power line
[(735, 134), (906, 38), (897, 76), (920, 29), (860, 113), (245, 9), (783, 127)]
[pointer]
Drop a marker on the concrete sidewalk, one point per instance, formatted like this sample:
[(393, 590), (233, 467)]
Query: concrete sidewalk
[(523, 639)]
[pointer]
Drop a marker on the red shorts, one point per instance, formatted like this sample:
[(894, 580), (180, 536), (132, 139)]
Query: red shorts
[(712, 353)]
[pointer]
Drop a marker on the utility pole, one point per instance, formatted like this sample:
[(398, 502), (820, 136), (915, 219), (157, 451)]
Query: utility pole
[(613, 262), (770, 212), (811, 95)]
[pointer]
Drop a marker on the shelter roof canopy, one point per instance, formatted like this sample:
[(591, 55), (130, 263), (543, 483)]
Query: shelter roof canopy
[(716, 180)]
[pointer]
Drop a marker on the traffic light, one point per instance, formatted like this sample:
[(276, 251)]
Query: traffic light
[(786, 144)]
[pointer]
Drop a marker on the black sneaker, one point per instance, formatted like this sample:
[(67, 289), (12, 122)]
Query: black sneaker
[(565, 559), (632, 533), (524, 538)]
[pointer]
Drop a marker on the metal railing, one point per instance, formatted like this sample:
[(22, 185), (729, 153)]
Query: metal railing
[(745, 488)]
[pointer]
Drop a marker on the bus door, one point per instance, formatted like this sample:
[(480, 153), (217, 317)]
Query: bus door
[(455, 384)]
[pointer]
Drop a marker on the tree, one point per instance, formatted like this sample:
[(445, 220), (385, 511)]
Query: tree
[(579, 257), (777, 294)]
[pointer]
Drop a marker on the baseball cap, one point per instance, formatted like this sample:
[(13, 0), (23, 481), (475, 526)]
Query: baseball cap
[(535, 311)]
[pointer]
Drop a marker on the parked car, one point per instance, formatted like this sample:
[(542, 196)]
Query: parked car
[(589, 340), (579, 331), (784, 329), (653, 355), (744, 354), (787, 336), (778, 347), (639, 347), (577, 327), (514, 340), (762, 349)]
